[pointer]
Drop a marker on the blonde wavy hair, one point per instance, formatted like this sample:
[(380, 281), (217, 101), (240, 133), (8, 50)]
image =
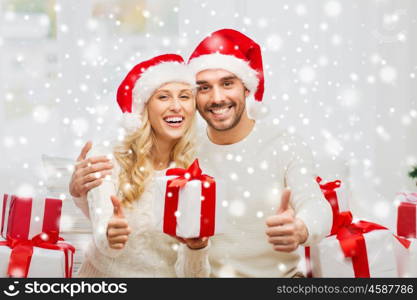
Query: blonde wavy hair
[(134, 155)]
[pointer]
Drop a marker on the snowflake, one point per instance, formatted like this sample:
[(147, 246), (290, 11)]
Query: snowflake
[(333, 9), (237, 208), (274, 43), (234, 176), (300, 10), (227, 271), (41, 114), (25, 190), (307, 74), (282, 267), (382, 133), (388, 74), (381, 209), (349, 97), (79, 126)]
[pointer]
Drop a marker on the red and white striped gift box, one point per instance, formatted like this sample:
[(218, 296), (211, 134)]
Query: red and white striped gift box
[(25, 217)]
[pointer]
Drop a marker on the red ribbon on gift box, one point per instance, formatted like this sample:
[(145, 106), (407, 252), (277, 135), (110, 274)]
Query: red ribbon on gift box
[(353, 243), (208, 192), (329, 191), (406, 216), (22, 251)]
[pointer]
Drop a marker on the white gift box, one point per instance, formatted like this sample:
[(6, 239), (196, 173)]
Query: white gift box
[(406, 259), (189, 207), (44, 262), (327, 258)]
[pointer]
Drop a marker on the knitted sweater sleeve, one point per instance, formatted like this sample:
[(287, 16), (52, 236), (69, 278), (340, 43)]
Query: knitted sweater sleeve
[(192, 263), (101, 210), (306, 197), (82, 204)]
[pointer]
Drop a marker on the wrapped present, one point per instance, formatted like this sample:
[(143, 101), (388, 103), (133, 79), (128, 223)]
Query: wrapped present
[(406, 214), (23, 218), (337, 196), (187, 203), (361, 249), (45, 255), (406, 257)]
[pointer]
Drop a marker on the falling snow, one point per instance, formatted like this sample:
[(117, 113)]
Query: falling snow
[(345, 84)]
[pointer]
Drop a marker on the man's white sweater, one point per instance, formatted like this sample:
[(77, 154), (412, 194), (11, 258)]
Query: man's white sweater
[(254, 171)]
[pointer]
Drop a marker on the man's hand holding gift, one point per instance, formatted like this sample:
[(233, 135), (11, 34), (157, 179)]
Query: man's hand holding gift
[(89, 172)]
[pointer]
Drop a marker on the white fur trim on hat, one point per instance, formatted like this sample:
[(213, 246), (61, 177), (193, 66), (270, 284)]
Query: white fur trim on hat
[(154, 77), (230, 63)]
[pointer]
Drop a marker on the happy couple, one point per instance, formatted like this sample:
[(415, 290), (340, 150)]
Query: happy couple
[(273, 202)]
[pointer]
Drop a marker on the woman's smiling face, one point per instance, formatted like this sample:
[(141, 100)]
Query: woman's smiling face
[(171, 110)]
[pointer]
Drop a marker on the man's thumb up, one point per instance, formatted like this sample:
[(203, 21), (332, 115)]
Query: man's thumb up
[(285, 201), (117, 207), (285, 232)]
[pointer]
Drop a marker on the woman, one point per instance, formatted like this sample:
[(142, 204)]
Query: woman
[(158, 103)]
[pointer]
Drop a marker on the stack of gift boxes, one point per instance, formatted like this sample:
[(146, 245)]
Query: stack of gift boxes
[(30, 245), (358, 248)]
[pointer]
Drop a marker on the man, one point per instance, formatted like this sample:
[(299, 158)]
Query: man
[(266, 221)]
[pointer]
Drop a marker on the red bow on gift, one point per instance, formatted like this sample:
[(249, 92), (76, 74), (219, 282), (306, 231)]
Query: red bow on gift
[(329, 191), (353, 244), (208, 192), (193, 172), (22, 251), (409, 197)]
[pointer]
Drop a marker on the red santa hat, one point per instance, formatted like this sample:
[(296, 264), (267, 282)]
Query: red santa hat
[(141, 82), (233, 51)]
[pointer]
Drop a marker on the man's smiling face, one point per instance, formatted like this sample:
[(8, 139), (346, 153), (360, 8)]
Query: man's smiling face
[(221, 98)]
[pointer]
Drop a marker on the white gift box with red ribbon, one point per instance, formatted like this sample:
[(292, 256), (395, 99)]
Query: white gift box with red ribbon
[(30, 245), (328, 259), (187, 203), (42, 263)]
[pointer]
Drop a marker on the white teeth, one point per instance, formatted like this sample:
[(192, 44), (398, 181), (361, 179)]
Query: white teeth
[(174, 119), (220, 111)]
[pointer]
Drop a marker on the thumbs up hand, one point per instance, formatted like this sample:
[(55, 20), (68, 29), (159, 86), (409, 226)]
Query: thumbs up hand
[(117, 229), (285, 232)]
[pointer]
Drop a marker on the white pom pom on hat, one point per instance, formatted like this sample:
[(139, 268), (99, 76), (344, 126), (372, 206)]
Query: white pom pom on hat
[(141, 82), (235, 52)]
